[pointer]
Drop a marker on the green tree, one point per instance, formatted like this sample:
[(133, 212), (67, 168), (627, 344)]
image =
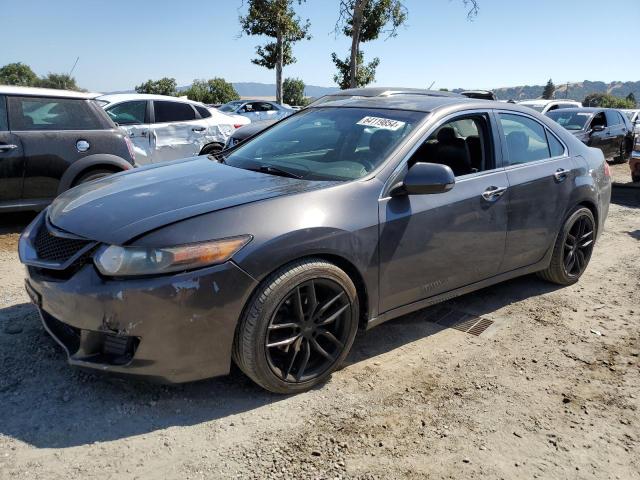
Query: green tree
[(215, 90), (164, 86), (59, 81), (18, 74), (365, 74), (364, 21), (275, 19), (293, 91), (605, 100), (632, 98), (549, 90)]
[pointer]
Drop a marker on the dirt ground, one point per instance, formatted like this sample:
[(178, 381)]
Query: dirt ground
[(550, 390)]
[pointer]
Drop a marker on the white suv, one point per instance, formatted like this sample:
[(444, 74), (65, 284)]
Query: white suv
[(544, 106), (164, 128)]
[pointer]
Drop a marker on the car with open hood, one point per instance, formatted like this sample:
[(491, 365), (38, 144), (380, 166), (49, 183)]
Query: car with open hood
[(343, 216)]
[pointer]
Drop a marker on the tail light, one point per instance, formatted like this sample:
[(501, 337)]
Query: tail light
[(238, 125), (132, 153), (607, 171)]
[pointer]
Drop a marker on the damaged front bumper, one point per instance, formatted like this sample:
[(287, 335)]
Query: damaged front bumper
[(172, 328)]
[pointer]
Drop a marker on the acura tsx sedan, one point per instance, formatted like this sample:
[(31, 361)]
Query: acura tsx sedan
[(343, 216)]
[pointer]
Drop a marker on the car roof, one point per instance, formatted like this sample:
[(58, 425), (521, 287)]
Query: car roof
[(542, 101), (583, 109), (386, 91), (421, 103), (44, 92), (125, 97)]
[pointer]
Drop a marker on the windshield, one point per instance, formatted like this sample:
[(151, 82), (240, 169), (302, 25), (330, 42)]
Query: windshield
[(570, 120), (327, 143), (536, 106), (229, 107)]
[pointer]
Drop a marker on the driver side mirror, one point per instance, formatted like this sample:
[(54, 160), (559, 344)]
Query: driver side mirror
[(425, 178), (597, 128)]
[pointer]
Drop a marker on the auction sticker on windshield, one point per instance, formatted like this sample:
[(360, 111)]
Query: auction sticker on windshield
[(378, 122)]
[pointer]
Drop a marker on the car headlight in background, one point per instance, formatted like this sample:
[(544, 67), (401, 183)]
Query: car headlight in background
[(114, 261)]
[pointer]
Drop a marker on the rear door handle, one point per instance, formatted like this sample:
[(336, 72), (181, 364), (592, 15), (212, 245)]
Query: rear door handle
[(198, 129), (6, 148), (492, 194), (560, 175)]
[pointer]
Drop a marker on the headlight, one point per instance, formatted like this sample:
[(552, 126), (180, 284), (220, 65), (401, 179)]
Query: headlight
[(114, 260)]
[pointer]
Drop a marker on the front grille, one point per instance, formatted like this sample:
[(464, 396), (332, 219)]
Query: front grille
[(56, 249)]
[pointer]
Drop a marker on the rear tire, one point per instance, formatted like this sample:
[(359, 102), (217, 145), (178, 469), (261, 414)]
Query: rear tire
[(92, 175), (572, 249), (298, 327)]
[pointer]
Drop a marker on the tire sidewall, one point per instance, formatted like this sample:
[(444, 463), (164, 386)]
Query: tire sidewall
[(310, 271)]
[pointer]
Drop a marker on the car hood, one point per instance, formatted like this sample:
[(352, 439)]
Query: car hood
[(121, 207)]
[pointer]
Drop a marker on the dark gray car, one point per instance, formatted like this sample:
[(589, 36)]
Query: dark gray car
[(342, 216)]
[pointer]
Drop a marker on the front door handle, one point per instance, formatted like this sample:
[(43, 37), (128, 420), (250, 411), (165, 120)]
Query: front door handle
[(492, 194), (560, 175), (6, 148), (198, 129)]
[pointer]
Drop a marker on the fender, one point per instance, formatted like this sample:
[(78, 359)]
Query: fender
[(98, 159)]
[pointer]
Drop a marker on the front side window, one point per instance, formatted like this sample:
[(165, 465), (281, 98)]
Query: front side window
[(599, 120), (525, 138), (173, 112), (4, 124), (327, 143), (613, 118), (463, 144), (574, 121), (31, 113), (128, 113)]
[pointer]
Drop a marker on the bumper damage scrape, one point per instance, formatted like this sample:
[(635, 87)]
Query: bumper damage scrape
[(174, 328)]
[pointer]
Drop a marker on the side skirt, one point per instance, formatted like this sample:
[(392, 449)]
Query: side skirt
[(442, 297)]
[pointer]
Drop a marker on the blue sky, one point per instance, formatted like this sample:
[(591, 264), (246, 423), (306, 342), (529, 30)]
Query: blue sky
[(122, 43)]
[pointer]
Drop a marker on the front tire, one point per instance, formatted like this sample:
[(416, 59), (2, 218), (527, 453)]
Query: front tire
[(298, 327), (573, 248), (212, 148)]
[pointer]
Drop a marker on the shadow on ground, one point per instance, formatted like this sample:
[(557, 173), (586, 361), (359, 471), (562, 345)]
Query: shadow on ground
[(15, 222), (46, 403)]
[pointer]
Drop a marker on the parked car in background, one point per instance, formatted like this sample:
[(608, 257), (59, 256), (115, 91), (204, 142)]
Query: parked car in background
[(544, 106), (603, 128), (340, 217), (480, 94), (52, 140), (243, 133), (634, 161), (634, 118), (166, 128), (257, 110)]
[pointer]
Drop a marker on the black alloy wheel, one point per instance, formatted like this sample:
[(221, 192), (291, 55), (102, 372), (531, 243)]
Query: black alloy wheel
[(308, 331), (578, 246)]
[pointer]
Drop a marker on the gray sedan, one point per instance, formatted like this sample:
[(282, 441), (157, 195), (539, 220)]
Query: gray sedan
[(257, 110), (344, 216)]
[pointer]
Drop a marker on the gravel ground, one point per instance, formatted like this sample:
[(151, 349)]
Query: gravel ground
[(550, 390)]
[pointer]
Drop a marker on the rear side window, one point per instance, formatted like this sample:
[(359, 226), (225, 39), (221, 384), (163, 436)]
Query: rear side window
[(128, 113), (31, 113), (613, 118), (4, 125), (555, 147), (525, 138), (204, 113), (173, 112)]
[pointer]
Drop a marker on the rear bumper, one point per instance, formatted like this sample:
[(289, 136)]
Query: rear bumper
[(172, 329)]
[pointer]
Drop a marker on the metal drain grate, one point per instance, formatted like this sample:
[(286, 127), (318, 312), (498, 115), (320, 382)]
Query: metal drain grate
[(462, 321)]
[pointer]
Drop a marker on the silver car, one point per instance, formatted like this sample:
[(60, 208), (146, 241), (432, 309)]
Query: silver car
[(257, 109)]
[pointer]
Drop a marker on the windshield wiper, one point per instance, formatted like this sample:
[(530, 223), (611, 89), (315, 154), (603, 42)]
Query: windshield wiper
[(271, 170)]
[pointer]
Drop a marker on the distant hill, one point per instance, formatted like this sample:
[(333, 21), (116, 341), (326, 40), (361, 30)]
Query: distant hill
[(577, 91)]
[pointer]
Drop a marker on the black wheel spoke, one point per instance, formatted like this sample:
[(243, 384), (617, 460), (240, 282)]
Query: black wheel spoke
[(331, 337), (313, 300), (327, 305), (296, 350), (332, 318), (297, 305), (578, 245), (279, 326), (318, 348), (305, 361), (284, 342)]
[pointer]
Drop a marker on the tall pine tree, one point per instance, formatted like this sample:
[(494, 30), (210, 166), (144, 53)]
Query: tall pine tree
[(275, 19), (549, 90)]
